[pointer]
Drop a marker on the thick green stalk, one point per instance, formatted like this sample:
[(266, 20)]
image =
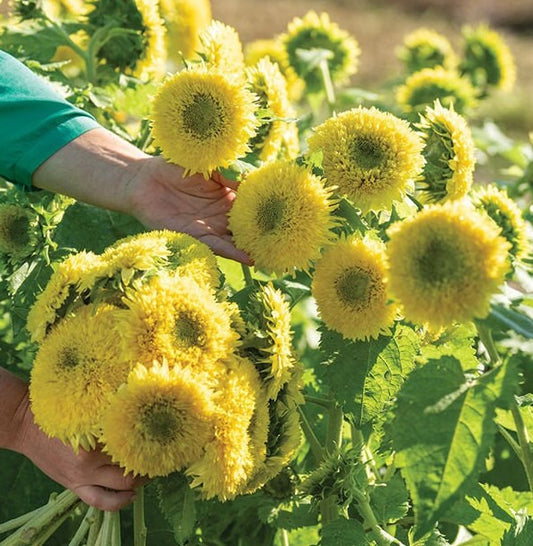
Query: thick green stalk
[(284, 536), (139, 525), (323, 402), (248, 279), (83, 529), (19, 521), (310, 436), (94, 528)]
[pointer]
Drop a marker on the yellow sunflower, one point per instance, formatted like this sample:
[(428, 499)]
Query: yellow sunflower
[(202, 120), (370, 156), (159, 421), (282, 216), (426, 48), (315, 31), (266, 81), (350, 288), (173, 316), (140, 53), (228, 458), (185, 20), (445, 263), (506, 214), (449, 152), (487, 60), (17, 231), (78, 365), (422, 88)]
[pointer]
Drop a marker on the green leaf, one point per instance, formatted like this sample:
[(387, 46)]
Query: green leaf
[(443, 430), (505, 318), (521, 534), (289, 516), (32, 39), (343, 532), (390, 501), (366, 375)]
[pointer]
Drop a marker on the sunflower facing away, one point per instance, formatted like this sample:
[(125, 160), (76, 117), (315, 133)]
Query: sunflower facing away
[(368, 155), (17, 231), (350, 288), (315, 31), (159, 421), (445, 263), (282, 216), (77, 366), (449, 153), (202, 120)]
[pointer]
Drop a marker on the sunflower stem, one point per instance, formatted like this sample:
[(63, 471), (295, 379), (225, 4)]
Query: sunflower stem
[(248, 279), (284, 536), (83, 529), (328, 85), (323, 402), (310, 436), (139, 525), (94, 527), (19, 521), (334, 433)]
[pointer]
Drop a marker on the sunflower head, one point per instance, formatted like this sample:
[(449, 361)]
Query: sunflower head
[(445, 263), (203, 120), (426, 48), (18, 236), (487, 60), (506, 214), (282, 216), (422, 88), (315, 31), (449, 152), (350, 286), (370, 156)]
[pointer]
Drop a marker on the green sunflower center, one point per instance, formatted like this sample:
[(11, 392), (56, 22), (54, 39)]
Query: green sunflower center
[(440, 262), (160, 422), (352, 286), (270, 213), (203, 116), (16, 232), (69, 358), (368, 152), (188, 331)]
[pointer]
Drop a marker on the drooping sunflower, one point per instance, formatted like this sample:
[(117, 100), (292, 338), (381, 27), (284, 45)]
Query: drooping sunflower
[(17, 231), (449, 152), (315, 31), (159, 421), (426, 48), (78, 365), (222, 51), (275, 51), (70, 279), (267, 82), (228, 459), (445, 263), (370, 156), (487, 60), (172, 316), (282, 216), (506, 214), (140, 53), (422, 88), (185, 20), (350, 288), (202, 120)]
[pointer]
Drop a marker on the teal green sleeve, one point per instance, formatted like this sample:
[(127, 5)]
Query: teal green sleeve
[(35, 121)]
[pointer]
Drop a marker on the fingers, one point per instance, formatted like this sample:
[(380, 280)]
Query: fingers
[(223, 181), (226, 249), (103, 498), (113, 477)]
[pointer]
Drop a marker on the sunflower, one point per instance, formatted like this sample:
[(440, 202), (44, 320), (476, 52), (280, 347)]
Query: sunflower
[(159, 421), (426, 48), (315, 31), (222, 51), (173, 316), (445, 263), (487, 60), (350, 288), (273, 49), (202, 120), (184, 20), (228, 459), (506, 214), (77, 366), (63, 291), (267, 82), (140, 53), (17, 231), (422, 88), (368, 155), (281, 216), (64, 8), (449, 153)]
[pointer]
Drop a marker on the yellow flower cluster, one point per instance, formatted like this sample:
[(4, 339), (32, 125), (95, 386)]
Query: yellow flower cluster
[(141, 351)]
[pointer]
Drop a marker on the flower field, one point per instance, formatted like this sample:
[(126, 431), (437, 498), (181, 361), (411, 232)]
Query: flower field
[(368, 380)]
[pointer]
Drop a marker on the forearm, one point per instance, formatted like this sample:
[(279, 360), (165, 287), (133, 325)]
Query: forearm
[(95, 168), (13, 405)]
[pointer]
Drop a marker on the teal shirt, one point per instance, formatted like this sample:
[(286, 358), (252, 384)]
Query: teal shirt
[(35, 122)]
